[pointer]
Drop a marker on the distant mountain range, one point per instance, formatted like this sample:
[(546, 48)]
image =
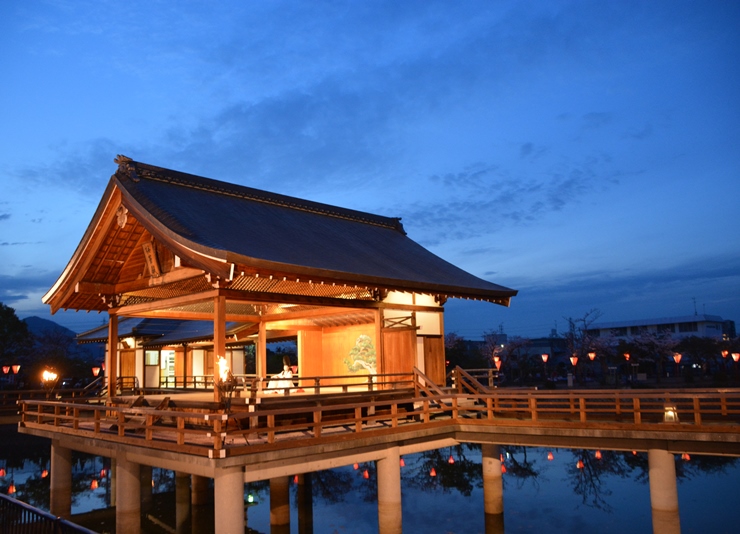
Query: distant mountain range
[(38, 327), (41, 327)]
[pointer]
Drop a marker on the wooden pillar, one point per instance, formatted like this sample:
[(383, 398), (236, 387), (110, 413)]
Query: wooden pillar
[(663, 492), (261, 351), (280, 505), (61, 480), (389, 492), (128, 496), (219, 339), (493, 488), (228, 507), (304, 498), (182, 502), (111, 367)]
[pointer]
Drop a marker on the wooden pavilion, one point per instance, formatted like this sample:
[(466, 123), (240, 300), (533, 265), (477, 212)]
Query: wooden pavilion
[(169, 245)]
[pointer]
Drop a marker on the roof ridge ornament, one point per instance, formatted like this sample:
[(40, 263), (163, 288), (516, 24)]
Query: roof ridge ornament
[(126, 166)]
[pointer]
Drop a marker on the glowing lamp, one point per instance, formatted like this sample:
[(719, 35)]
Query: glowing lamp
[(365, 474), (545, 357), (550, 457), (736, 356), (677, 358), (450, 460), (403, 463), (498, 364), (94, 484), (724, 353), (44, 473), (574, 360), (670, 414), (503, 468), (597, 455), (685, 457), (2, 472), (356, 466), (11, 489), (6, 368), (433, 472), (96, 371), (627, 356), (579, 465), (17, 367), (591, 356)]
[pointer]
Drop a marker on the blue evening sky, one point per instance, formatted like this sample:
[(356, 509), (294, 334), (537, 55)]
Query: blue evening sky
[(586, 153)]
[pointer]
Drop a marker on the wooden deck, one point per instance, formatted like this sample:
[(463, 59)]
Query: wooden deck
[(206, 429)]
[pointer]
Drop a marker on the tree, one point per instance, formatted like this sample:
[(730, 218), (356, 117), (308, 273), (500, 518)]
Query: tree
[(655, 347), (16, 342), (578, 339)]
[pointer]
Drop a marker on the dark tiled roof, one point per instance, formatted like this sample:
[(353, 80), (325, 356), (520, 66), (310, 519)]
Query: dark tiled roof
[(256, 228)]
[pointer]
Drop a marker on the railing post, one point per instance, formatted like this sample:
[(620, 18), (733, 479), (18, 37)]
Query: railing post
[(533, 407), (697, 411), (582, 408), (723, 403), (636, 410)]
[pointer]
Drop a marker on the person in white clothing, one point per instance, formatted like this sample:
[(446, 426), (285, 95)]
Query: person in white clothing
[(280, 382)]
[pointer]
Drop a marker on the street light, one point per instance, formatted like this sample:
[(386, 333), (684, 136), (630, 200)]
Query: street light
[(545, 357), (677, 359), (591, 355), (225, 383), (50, 381)]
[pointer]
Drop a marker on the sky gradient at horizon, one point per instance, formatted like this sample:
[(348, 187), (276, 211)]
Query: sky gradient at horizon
[(584, 153)]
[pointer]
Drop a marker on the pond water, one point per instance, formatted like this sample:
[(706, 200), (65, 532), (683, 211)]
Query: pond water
[(574, 492)]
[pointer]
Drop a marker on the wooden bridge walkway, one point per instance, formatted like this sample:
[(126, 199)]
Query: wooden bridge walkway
[(698, 421)]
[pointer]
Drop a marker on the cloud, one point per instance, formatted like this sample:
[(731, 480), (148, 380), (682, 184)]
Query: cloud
[(4, 216)]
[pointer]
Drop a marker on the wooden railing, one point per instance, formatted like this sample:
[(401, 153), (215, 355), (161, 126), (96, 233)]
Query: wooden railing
[(17, 517), (206, 429)]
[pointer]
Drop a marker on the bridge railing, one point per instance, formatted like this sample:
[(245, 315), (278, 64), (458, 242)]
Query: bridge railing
[(206, 429), (17, 517)]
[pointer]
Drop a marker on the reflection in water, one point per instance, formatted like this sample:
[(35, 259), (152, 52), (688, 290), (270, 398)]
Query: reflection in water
[(576, 491)]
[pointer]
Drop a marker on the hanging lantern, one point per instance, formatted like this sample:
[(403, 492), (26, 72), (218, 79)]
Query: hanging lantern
[(579, 465), (356, 466), (103, 472), (295, 479), (365, 474), (591, 356), (597, 455), (450, 460), (627, 356), (11, 489), (685, 457), (94, 484), (503, 469), (44, 473), (433, 472), (403, 463), (574, 360), (550, 457), (2, 472), (634, 453)]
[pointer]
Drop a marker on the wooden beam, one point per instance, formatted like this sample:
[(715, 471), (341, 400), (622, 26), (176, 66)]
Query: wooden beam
[(219, 339), (112, 367), (158, 305)]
